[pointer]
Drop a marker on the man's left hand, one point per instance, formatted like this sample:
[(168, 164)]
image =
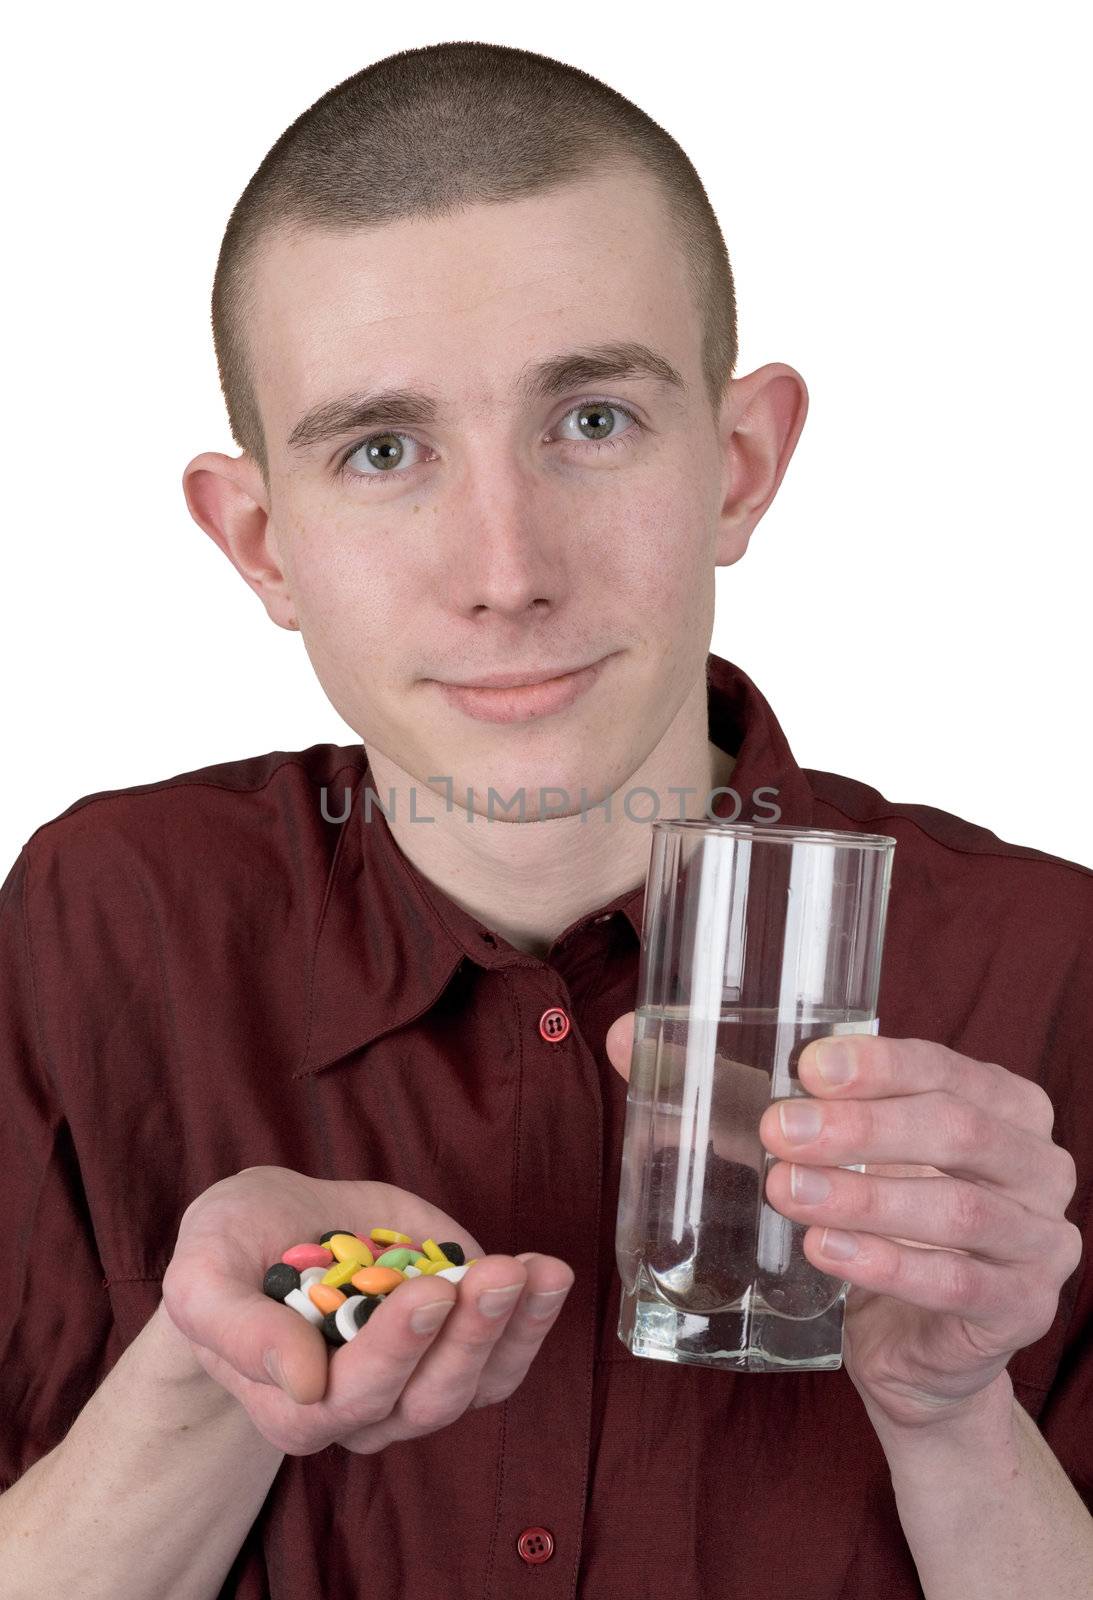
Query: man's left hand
[(962, 1245)]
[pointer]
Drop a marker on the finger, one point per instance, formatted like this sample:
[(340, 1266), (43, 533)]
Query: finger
[(934, 1126), (699, 1097), (480, 1360), (217, 1310), (881, 1068), (619, 1043), (946, 1211), (506, 1366), (371, 1377), (442, 1381), (980, 1292)]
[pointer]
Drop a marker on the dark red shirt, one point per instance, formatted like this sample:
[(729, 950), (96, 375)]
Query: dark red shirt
[(205, 974)]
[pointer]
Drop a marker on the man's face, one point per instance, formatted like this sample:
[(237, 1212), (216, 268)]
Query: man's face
[(510, 533)]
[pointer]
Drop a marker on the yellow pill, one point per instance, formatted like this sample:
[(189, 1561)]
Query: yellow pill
[(341, 1273), (435, 1253), (389, 1236), (347, 1247)]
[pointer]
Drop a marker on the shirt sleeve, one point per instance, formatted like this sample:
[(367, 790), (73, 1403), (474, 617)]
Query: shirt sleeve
[(57, 1337), (1065, 1417)]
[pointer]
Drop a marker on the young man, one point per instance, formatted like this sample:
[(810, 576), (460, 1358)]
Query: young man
[(476, 335)]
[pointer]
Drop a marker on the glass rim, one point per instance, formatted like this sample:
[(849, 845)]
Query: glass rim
[(777, 834)]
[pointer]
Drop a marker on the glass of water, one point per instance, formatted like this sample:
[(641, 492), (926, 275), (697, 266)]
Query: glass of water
[(755, 940)]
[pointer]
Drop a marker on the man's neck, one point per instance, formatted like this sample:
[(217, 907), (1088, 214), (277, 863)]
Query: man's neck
[(527, 881)]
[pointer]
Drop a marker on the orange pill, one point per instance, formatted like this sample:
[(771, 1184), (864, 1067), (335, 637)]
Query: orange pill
[(377, 1280), (326, 1298)]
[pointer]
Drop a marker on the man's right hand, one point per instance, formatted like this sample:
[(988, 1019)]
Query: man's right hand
[(387, 1383)]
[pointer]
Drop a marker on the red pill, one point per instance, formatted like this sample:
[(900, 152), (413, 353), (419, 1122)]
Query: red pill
[(302, 1256)]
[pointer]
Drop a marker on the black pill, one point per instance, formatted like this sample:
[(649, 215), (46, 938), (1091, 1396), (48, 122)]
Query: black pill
[(280, 1280), (364, 1309), (329, 1329), (454, 1253), (332, 1231)]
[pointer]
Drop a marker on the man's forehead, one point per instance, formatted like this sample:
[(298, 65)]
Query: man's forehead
[(402, 305)]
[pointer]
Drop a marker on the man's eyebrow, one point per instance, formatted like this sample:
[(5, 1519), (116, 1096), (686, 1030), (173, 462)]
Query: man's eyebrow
[(538, 381)]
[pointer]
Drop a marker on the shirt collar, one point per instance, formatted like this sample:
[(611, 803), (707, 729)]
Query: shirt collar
[(389, 941)]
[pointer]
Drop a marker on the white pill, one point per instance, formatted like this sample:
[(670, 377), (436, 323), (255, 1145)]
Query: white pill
[(304, 1304), (345, 1321), (312, 1275), (452, 1273)]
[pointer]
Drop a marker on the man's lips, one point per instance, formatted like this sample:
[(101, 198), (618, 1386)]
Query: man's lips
[(517, 680), (540, 697)]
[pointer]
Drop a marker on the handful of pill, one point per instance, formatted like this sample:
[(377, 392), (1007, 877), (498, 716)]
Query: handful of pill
[(338, 1283)]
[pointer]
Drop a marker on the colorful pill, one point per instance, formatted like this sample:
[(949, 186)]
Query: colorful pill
[(399, 1257), (338, 1283), (341, 1272), (389, 1236), (347, 1247), (307, 1255), (325, 1298), (430, 1248), (377, 1280)]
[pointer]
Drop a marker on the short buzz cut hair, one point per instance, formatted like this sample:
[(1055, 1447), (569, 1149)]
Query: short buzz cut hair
[(428, 131)]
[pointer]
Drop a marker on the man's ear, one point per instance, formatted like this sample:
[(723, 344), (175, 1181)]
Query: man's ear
[(761, 420), (227, 498)]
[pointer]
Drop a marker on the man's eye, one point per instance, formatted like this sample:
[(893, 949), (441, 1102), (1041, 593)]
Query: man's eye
[(381, 455)]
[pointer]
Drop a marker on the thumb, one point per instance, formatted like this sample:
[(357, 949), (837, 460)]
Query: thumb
[(235, 1327), (620, 1043)]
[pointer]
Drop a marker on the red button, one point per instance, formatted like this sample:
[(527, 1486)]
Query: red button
[(535, 1545), (554, 1024)]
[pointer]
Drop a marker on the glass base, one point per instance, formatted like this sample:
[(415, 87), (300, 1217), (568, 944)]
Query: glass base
[(747, 1337)]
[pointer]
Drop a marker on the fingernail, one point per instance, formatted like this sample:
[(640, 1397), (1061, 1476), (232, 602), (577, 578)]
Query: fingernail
[(808, 1185), (801, 1120), (839, 1246), (495, 1302), (835, 1060), (426, 1319), (542, 1305)]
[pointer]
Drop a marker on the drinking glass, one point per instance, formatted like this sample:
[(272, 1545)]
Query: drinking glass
[(755, 940)]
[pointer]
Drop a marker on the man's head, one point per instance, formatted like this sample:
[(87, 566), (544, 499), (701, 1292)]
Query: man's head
[(459, 221)]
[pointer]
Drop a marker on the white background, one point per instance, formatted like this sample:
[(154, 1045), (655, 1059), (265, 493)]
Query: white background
[(904, 196)]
